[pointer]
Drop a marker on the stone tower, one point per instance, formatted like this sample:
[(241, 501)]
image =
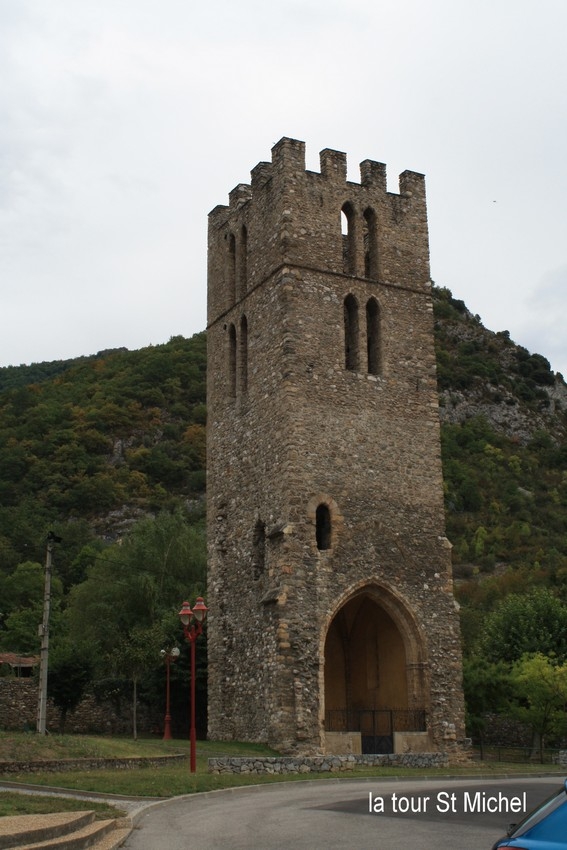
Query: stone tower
[(332, 620)]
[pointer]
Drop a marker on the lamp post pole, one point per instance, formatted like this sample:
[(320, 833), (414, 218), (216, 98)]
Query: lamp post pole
[(192, 632), (168, 655)]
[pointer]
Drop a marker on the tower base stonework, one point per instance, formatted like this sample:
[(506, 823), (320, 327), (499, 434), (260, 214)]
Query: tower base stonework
[(331, 608)]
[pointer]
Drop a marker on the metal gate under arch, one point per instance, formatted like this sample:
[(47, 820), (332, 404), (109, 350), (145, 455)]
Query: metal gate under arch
[(376, 726)]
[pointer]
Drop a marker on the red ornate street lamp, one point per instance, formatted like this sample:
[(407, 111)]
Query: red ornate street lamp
[(168, 656), (192, 632)]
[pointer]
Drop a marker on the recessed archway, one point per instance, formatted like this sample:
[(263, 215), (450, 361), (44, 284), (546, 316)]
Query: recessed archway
[(374, 669)]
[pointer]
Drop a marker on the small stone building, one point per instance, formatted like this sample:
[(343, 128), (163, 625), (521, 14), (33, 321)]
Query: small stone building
[(332, 623), (21, 666)]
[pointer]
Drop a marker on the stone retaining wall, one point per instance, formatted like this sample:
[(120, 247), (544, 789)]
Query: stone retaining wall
[(18, 703), (57, 765), (562, 760), (18, 712), (324, 764)]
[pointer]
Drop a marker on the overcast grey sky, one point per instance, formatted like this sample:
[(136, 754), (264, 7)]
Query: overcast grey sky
[(124, 122)]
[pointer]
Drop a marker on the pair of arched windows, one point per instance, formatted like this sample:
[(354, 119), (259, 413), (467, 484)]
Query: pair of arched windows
[(237, 264), (353, 359), (360, 255), (238, 357)]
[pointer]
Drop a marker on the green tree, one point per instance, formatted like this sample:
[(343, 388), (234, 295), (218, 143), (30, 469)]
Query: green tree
[(525, 623), (70, 671), (22, 607), (134, 655), (540, 685), (486, 688), (125, 608), (479, 540)]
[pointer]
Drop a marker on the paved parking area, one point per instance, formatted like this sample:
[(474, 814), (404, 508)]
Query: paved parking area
[(334, 814)]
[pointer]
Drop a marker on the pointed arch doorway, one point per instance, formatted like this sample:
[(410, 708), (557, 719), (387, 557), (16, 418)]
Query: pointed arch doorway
[(374, 673)]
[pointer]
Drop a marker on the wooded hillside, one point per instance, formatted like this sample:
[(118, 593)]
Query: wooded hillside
[(92, 447)]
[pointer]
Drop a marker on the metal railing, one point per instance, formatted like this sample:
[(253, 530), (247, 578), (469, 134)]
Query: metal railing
[(375, 721), (517, 755), (376, 726)]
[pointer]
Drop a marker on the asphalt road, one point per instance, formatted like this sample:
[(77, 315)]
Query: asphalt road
[(331, 814)]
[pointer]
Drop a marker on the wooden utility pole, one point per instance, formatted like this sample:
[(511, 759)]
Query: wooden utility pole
[(44, 634)]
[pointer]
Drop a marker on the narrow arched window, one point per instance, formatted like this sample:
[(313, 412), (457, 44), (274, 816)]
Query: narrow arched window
[(259, 550), (243, 354), (370, 244), (231, 268), (348, 227), (242, 261), (373, 336), (232, 361), (350, 310), (323, 527)]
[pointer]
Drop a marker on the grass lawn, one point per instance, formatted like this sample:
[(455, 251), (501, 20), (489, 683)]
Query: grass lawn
[(172, 779), (27, 804), (28, 746)]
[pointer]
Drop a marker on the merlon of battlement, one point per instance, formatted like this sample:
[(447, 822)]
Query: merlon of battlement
[(289, 154), (261, 174), (333, 165), (240, 195), (373, 174), (412, 183)]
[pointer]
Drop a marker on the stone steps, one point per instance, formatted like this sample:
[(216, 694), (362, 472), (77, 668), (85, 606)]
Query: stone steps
[(62, 831)]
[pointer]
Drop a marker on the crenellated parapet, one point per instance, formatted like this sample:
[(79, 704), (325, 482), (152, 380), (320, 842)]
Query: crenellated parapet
[(318, 220)]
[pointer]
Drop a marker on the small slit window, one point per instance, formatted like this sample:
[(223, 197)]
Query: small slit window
[(259, 550), (323, 527)]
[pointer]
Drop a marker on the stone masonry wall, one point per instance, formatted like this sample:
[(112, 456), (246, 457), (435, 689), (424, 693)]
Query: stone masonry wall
[(18, 712), (324, 764), (61, 765), (297, 419)]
